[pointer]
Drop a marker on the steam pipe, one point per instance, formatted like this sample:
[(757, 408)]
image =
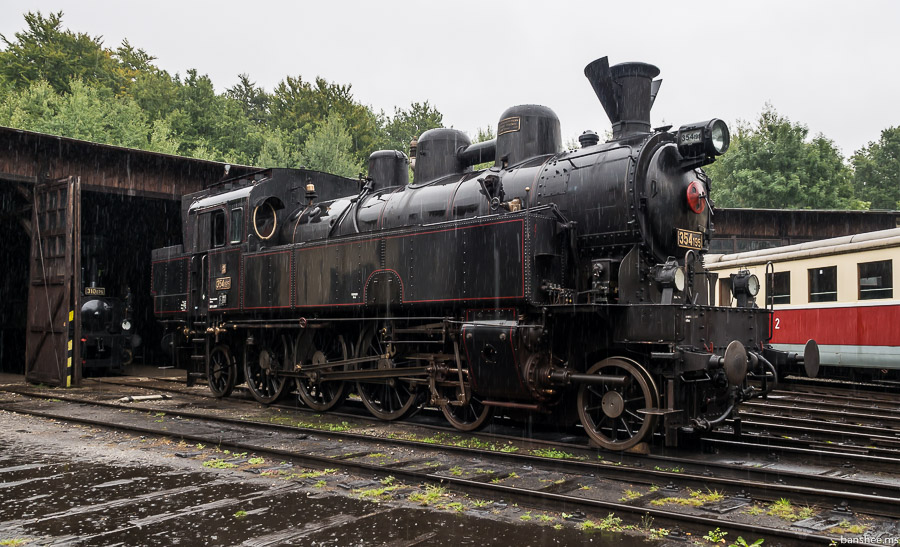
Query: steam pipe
[(479, 152)]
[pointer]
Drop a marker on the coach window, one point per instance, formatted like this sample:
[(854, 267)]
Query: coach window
[(237, 225), (218, 228), (876, 280), (823, 284), (779, 288)]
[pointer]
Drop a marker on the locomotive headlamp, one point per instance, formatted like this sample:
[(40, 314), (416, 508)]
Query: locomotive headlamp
[(745, 282), (709, 138), (744, 286), (670, 279), (669, 275), (126, 325)]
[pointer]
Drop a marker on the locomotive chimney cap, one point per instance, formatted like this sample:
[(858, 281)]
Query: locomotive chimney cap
[(627, 92)]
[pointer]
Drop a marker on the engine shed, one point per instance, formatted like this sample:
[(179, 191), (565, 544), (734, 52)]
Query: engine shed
[(81, 218)]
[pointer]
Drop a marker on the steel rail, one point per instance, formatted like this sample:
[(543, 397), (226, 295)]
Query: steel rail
[(874, 499), (561, 500)]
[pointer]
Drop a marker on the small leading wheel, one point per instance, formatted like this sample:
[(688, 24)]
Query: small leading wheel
[(609, 412), (221, 371), (389, 398), (471, 415), (261, 369), (314, 349)]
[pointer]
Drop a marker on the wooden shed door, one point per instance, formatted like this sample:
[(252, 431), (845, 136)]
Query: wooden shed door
[(54, 322)]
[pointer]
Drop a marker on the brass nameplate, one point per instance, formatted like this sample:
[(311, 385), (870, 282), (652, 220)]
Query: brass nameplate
[(688, 239), (509, 125), (95, 291), (223, 283)]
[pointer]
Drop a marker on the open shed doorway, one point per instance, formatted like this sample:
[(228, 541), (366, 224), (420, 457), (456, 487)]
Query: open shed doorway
[(118, 328)]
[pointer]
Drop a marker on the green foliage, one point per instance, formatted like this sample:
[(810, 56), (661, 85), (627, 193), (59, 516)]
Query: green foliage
[(44, 51), (330, 149), (485, 134), (741, 542), (409, 124), (299, 108), (877, 171), (715, 536), (773, 165), (88, 113)]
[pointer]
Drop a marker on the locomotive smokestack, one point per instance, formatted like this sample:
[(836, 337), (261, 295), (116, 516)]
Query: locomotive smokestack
[(627, 92)]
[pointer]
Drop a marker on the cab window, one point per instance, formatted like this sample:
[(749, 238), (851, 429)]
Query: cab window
[(218, 229), (237, 225)]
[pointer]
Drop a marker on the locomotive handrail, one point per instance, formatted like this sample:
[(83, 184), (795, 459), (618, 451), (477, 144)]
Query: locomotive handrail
[(770, 298)]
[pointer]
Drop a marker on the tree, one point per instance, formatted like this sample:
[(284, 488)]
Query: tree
[(298, 108), (330, 149), (46, 52), (407, 125), (772, 165), (87, 112), (254, 100), (877, 171)]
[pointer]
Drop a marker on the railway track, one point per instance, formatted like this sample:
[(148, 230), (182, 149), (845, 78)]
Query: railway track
[(764, 434), (528, 475)]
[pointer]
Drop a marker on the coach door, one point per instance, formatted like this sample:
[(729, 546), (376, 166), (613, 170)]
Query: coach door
[(54, 325)]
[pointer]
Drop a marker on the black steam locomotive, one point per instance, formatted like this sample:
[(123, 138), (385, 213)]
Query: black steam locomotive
[(108, 337), (558, 283)]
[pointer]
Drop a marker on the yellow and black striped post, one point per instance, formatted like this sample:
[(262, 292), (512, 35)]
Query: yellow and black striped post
[(69, 368)]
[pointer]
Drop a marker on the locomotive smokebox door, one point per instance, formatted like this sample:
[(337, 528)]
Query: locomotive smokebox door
[(491, 350)]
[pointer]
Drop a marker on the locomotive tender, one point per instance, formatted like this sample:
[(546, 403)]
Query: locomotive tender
[(552, 282)]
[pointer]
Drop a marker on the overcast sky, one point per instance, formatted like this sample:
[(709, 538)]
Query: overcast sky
[(831, 65)]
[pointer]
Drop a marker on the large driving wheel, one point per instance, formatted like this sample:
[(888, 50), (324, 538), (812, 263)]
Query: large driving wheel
[(221, 371), (390, 398), (314, 348), (610, 413), (261, 368)]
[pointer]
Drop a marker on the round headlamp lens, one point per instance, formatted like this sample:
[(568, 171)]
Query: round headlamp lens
[(679, 279), (719, 137), (753, 285), (126, 325)]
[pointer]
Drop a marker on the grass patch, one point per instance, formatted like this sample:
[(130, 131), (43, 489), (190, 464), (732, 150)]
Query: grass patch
[(630, 495), (240, 514), (378, 494), (14, 542), (552, 453), (431, 495), (218, 464), (611, 523), (784, 509), (256, 461)]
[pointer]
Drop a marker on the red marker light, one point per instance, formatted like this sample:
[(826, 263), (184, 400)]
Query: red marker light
[(696, 197)]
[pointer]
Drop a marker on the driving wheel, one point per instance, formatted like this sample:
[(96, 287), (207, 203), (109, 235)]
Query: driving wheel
[(221, 371), (317, 347), (610, 413), (262, 368), (388, 398)]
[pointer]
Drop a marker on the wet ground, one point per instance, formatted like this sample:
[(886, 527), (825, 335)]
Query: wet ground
[(64, 484)]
